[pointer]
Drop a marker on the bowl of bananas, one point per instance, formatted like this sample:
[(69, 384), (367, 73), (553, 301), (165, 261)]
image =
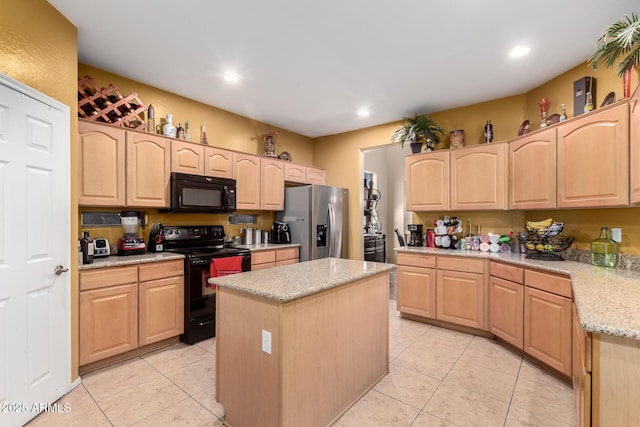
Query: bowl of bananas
[(543, 240)]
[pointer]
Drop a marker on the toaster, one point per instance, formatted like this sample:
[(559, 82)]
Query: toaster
[(101, 247)]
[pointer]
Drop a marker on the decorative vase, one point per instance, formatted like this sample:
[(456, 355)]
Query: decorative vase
[(626, 83), (416, 147), (169, 129)]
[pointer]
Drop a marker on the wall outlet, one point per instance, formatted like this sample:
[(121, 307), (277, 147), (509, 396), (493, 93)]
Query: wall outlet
[(616, 234), (266, 341)]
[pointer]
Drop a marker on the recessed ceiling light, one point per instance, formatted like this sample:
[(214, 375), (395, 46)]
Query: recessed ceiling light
[(363, 113), (519, 51), (230, 77)]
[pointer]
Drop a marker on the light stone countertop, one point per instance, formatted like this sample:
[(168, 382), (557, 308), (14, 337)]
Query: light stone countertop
[(290, 282), (607, 299), (268, 246), (119, 261)]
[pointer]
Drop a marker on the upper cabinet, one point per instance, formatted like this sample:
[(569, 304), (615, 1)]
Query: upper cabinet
[(148, 170), (218, 162), (634, 148), (316, 176), (101, 165), (295, 173), (479, 177), (593, 159), (187, 157), (271, 184), (246, 172), (533, 171), (427, 180)]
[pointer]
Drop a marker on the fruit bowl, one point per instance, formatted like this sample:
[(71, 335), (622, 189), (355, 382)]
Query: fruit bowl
[(546, 248)]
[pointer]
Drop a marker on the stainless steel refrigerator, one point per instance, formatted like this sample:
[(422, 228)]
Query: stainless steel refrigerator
[(318, 218)]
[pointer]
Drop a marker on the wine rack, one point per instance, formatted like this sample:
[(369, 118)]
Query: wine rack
[(107, 105)]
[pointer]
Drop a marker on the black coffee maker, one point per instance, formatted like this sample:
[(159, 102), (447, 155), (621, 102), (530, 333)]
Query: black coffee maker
[(415, 235)]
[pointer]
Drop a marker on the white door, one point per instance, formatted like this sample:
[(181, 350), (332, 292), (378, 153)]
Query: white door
[(35, 354)]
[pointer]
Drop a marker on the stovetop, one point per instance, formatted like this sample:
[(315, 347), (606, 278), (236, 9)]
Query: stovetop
[(198, 242)]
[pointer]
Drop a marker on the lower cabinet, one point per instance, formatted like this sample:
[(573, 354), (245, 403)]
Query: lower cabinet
[(547, 328), (122, 308), (416, 290), (581, 371), (274, 258), (506, 303), (460, 291)]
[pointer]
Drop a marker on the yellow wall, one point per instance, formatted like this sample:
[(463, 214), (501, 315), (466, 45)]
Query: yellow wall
[(341, 156), (38, 47)]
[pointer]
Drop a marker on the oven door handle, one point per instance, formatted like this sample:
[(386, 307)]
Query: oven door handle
[(208, 322)]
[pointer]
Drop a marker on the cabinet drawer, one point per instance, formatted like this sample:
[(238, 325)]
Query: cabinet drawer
[(460, 264), (286, 254), (262, 257), (507, 272), (559, 285), (160, 270), (101, 277), (262, 266), (416, 260)]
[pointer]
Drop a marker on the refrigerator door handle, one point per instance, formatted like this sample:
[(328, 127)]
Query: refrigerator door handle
[(335, 234), (330, 222)]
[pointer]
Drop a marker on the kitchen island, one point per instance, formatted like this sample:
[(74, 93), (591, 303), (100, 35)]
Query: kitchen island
[(297, 345)]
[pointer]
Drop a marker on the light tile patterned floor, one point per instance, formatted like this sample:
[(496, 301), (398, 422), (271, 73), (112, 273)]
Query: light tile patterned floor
[(437, 378)]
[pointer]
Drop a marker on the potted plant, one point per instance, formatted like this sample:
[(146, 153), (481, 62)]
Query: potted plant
[(620, 40), (416, 130)]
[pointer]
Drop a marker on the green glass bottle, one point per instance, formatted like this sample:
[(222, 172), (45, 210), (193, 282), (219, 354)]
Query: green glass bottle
[(604, 251)]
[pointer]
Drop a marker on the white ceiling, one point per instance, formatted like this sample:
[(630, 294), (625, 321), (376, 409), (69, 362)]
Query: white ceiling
[(309, 66)]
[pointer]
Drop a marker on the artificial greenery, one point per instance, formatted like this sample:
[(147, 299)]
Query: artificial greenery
[(620, 39), (417, 129)]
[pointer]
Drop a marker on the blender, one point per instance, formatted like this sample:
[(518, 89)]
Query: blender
[(131, 243)]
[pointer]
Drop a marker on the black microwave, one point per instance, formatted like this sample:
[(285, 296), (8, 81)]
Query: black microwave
[(202, 194)]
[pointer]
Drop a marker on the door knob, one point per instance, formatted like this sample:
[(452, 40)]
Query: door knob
[(59, 270)]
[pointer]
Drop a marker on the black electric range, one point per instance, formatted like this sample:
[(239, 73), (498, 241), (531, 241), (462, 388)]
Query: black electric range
[(199, 245)]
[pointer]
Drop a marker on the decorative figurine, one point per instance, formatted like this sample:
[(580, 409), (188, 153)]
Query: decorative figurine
[(151, 119), (203, 137), (180, 131), (270, 144), (544, 105), (187, 131), (488, 132)]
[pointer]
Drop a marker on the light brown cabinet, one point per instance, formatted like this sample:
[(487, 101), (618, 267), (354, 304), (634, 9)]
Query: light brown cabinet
[(246, 172), (460, 291), (274, 258), (532, 171), (122, 308), (416, 279), (101, 165), (271, 184), (547, 319), (634, 148), (316, 176), (506, 303), (161, 301), (593, 159), (295, 173), (108, 312), (427, 181), (187, 157), (218, 162), (479, 177), (148, 170), (581, 371)]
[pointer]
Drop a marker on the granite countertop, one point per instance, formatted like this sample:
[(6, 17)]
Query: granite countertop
[(119, 261), (290, 282), (607, 299), (268, 246)]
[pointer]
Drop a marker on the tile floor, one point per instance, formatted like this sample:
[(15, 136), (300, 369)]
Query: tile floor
[(437, 378)]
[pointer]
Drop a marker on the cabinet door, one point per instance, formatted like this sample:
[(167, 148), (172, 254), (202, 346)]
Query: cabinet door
[(506, 310), (101, 165), (295, 173), (533, 171), (161, 309), (316, 176), (593, 159), (148, 170), (581, 378), (187, 157), (479, 177), (417, 291), (246, 171), (108, 322), (460, 298), (218, 162), (547, 328), (271, 184), (427, 180)]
